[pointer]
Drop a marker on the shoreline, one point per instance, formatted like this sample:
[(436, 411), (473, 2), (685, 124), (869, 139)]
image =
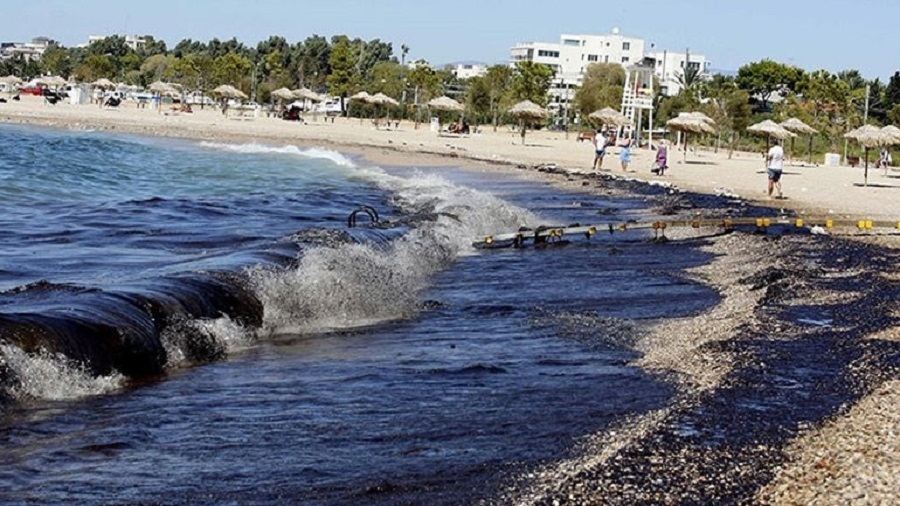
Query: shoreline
[(811, 191), (688, 358)]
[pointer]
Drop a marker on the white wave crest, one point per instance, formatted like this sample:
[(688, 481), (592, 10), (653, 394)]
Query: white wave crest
[(255, 148), (222, 334), (356, 285), (53, 376)]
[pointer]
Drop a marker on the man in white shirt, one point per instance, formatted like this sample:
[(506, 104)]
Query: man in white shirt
[(774, 166), (600, 141)]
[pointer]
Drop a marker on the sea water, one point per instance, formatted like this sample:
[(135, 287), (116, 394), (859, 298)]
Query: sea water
[(198, 323)]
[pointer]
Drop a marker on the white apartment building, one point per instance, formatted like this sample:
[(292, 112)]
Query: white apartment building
[(467, 70), (30, 51), (573, 53), (133, 41), (670, 67)]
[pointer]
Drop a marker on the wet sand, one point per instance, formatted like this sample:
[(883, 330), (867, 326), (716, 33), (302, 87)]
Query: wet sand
[(772, 410)]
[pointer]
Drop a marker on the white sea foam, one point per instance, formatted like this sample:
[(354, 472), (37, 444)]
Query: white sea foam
[(256, 148), (52, 376), (360, 284), (220, 333)]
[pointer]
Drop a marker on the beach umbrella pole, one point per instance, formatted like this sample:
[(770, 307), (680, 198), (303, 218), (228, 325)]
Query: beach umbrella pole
[(866, 169), (810, 148)]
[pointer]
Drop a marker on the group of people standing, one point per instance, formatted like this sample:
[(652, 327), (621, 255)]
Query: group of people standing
[(604, 139)]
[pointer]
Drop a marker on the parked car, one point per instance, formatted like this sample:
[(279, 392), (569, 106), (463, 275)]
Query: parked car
[(32, 90), (332, 106)]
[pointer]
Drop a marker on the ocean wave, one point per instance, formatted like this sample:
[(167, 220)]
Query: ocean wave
[(65, 333), (313, 153)]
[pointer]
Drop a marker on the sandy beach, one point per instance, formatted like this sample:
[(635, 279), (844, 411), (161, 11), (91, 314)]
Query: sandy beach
[(850, 459), (819, 190)]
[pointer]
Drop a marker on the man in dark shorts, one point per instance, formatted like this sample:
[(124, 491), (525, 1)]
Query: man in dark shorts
[(774, 167), (600, 142)]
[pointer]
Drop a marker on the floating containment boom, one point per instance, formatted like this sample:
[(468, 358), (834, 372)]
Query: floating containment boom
[(550, 234)]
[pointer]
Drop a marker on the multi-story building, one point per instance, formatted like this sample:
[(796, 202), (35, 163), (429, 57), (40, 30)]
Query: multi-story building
[(30, 51), (571, 56), (467, 70), (133, 41), (670, 67)]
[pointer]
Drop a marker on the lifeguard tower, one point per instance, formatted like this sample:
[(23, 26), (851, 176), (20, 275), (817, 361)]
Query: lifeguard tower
[(637, 97)]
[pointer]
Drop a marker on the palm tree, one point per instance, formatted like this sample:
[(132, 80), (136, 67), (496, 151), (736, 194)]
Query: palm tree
[(404, 50), (690, 74)]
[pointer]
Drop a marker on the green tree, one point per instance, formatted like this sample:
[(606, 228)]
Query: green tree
[(892, 91), (56, 61), (893, 115), (387, 77), (498, 79), (233, 69), (828, 96), (192, 71), (670, 107), (96, 67), (531, 81), (478, 100), (404, 50), (601, 87), (310, 61), (275, 72), (765, 77), (343, 76), (157, 68)]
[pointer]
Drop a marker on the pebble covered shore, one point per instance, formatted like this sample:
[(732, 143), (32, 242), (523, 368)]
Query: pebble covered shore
[(788, 387)]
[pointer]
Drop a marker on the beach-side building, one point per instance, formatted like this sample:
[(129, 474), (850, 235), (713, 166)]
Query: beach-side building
[(29, 50), (670, 67), (133, 41), (571, 56), (468, 70)]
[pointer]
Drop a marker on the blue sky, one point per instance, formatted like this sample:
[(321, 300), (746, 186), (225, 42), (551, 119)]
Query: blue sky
[(812, 34)]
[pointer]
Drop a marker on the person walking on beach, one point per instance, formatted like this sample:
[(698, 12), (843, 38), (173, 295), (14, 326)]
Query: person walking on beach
[(884, 161), (625, 152), (600, 141), (662, 158), (774, 166)]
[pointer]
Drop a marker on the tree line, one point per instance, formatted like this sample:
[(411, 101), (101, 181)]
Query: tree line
[(833, 103)]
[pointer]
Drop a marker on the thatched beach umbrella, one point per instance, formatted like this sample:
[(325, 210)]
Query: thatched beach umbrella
[(11, 79), (307, 94), (868, 136), (610, 116), (381, 98), (363, 97), (161, 88), (54, 81), (283, 94), (691, 123), (527, 111), (893, 133), (446, 103), (229, 91), (800, 128), (770, 129), (104, 83)]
